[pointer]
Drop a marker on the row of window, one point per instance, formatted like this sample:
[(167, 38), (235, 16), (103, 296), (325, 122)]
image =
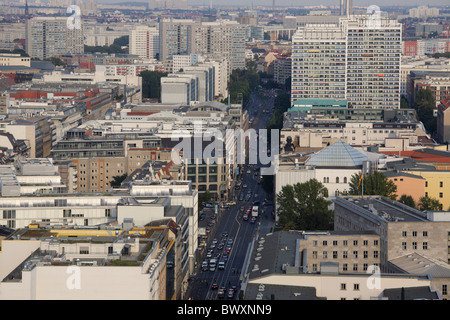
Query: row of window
[(355, 254), (344, 243)]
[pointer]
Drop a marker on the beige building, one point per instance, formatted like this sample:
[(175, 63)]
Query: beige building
[(11, 59), (275, 272), (402, 230), (443, 121), (352, 251)]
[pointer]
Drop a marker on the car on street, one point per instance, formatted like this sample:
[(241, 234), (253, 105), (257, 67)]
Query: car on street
[(253, 219), (221, 293), (225, 234), (244, 186), (209, 205), (242, 208), (214, 286), (245, 217), (230, 293)]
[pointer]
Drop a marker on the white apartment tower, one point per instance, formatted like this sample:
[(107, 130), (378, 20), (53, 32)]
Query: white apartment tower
[(50, 36), (144, 42), (220, 39), (357, 59)]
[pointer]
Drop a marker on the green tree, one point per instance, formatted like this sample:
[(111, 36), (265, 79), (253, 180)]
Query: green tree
[(304, 205), (375, 183), (151, 84), (427, 203), (425, 104), (408, 200), (117, 180)]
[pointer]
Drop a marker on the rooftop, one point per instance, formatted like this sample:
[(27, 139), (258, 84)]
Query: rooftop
[(338, 154), (381, 209), (415, 263)]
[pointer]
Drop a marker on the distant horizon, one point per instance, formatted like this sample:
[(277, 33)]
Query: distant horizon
[(287, 3)]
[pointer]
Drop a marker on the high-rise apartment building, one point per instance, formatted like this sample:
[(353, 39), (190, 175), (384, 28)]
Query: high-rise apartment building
[(144, 42), (222, 39), (357, 59), (51, 36)]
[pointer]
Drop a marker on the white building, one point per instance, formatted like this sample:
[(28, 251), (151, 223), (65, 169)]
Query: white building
[(179, 88), (144, 42), (50, 36), (11, 59), (423, 12)]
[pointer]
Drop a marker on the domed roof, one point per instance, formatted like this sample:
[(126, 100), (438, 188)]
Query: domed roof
[(338, 154)]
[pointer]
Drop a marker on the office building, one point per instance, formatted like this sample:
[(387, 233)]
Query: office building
[(353, 60), (49, 36)]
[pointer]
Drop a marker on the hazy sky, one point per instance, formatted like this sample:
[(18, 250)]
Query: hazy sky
[(324, 2)]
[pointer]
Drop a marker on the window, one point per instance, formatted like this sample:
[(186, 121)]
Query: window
[(335, 243), (355, 254), (355, 242), (344, 267), (375, 242), (337, 179), (335, 254), (425, 233), (343, 286), (107, 212), (9, 214), (441, 184), (325, 255), (366, 242), (441, 194), (414, 245), (314, 254), (414, 233), (314, 267), (344, 254), (404, 233), (444, 289), (425, 246), (355, 267), (375, 254), (366, 254), (403, 245), (84, 250), (345, 243), (356, 286), (314, 243), (324, 243), (365, 266)]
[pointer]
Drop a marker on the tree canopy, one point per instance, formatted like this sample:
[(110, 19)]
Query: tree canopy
[(425, 104), (375, 183), (427, 203), (151, 84), (408, 200), (303, 206)]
